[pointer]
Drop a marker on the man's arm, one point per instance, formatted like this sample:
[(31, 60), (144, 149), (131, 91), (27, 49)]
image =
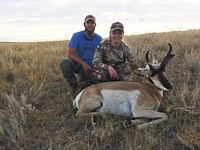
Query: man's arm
[(72, 55)]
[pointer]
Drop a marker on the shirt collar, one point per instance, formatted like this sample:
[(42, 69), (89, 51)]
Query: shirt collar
[(88, 39)]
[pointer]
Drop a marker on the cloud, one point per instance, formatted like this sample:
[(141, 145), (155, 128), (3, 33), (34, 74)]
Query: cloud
[(54, 18)]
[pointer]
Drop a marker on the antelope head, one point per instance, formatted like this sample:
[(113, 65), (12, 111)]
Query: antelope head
[(155, 73)]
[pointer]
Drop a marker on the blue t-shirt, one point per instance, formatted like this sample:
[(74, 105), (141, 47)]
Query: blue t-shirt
[(85, 47)]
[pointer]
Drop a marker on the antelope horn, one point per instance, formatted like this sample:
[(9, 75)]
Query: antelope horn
[(148, 62), (147, 58), (167, 58)]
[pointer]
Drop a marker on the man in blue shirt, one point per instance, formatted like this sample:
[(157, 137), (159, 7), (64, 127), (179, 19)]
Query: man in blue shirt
[(81, 49)]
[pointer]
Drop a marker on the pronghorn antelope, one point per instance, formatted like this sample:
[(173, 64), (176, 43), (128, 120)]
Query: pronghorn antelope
[(130, 99)]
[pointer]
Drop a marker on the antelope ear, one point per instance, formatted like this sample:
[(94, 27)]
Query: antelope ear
[(142, 71)]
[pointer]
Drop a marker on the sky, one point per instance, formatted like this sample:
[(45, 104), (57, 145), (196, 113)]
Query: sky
[(55, 20)]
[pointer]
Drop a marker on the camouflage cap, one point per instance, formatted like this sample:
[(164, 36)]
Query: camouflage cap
[(117, 26), (89, 17)]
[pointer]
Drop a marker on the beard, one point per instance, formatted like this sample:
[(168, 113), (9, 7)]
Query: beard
[(89, 32)]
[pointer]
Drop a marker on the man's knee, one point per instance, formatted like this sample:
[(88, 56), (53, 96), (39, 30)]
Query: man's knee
[(102, 76), (66, 67), (65, 63)]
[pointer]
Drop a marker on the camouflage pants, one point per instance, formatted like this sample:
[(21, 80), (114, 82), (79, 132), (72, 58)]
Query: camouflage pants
[(69, 67), (104, 76)]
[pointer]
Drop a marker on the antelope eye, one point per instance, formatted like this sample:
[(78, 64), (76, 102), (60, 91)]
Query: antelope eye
[(153, 73)]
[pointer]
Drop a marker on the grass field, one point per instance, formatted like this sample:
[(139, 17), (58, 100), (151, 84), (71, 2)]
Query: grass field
[(37, 114)]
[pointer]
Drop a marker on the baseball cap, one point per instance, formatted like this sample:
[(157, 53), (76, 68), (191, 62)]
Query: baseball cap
[(117, 26), (89, 17)]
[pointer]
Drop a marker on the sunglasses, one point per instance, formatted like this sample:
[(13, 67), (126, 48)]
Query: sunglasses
[(117, 26)]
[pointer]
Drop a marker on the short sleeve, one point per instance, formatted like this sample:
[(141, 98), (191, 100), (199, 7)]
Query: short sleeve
[(74, 41)]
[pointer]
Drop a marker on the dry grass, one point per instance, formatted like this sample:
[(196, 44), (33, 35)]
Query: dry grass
[(36, 114)]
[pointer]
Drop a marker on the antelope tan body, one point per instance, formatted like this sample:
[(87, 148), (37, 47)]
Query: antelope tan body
[(130, 99)]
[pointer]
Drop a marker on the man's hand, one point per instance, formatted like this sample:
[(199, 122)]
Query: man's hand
[(91, 72), (88, 69), (113, 73)]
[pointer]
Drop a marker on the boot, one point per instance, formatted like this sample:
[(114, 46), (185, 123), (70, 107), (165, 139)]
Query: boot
[(72, 82)]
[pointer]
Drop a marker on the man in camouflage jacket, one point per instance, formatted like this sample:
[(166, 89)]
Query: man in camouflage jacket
[(106, 55)]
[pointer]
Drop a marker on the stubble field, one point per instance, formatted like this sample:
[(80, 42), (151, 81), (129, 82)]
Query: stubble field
[(37, 114)]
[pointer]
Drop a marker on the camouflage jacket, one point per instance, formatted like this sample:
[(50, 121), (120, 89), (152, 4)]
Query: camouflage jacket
[(106, 55)]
